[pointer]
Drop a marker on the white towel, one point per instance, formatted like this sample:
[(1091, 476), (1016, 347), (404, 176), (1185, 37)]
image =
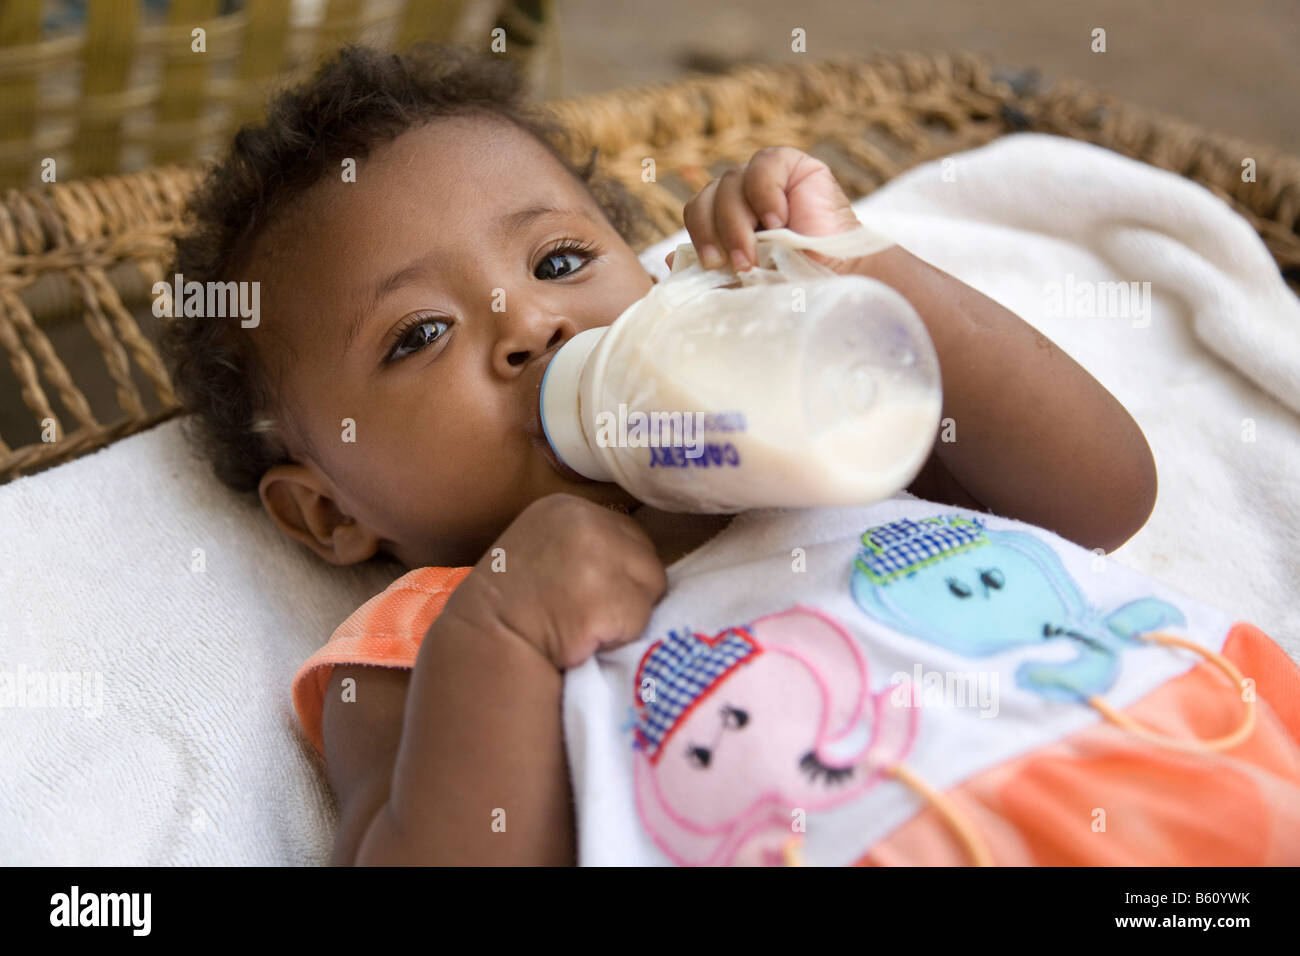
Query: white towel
[(182, 746), (196, 756)]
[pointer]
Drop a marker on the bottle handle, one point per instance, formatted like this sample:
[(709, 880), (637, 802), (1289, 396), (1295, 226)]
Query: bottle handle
[(779, 249), (841, 245)]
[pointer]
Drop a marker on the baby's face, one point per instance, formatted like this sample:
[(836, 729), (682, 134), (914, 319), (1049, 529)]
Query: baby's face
[(461, 295)]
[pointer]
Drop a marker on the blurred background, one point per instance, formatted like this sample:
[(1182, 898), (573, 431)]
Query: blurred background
[(1232, 65), (104, 86)]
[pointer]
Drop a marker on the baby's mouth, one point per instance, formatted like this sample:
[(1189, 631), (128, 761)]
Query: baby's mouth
[(537, 435), (549, 454)]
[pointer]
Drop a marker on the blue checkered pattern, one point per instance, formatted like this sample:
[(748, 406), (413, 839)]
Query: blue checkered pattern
[(895, 549), (683, 667)]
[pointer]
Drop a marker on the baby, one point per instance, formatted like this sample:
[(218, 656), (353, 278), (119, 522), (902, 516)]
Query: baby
[(705, 689)]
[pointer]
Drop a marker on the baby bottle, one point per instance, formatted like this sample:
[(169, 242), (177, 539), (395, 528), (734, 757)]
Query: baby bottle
[(786, 385)]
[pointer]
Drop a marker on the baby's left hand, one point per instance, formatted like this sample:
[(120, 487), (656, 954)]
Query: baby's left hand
[(779, 186)]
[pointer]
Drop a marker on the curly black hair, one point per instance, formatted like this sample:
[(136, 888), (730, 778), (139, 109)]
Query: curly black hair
[(357, 101)]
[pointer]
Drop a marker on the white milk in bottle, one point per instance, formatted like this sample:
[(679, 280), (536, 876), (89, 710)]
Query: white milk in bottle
[(801, 388)]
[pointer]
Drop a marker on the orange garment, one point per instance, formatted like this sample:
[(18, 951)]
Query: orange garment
[(1162, 806), (386, 631), (1159, 806)]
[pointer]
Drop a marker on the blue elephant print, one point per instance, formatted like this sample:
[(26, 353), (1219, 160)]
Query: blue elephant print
[(951, 581)]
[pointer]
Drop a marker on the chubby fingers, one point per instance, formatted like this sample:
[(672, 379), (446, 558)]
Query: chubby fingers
[(698, 216), (721, 223), (723, 216), (767, 183), (734, 222)]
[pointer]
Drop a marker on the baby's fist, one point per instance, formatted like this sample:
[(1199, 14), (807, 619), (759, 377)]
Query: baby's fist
[(779, 186)]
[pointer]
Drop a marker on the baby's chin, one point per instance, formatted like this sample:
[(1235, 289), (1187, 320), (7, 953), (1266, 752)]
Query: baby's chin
[(606, 493), (559, 477)]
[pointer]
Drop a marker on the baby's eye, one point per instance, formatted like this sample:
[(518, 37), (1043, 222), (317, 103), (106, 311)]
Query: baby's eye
[(571, 251), (414, 334), (959, 589)]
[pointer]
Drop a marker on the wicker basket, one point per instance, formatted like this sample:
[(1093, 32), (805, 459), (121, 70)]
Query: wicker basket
[(92, 249)]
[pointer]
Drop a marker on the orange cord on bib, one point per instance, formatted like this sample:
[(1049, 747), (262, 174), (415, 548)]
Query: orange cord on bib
[(966, 833), (1217, 743)]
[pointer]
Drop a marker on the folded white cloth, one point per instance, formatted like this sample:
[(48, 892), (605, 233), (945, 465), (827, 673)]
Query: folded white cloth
[(181, 745)]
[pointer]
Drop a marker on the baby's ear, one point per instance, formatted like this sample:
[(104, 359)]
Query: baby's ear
[(299, 502)]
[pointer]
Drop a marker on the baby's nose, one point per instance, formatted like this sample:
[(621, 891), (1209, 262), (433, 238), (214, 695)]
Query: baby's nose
[(517, 351)]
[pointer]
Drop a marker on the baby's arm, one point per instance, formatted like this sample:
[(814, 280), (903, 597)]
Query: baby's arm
[(480, 775), (1038, 438)]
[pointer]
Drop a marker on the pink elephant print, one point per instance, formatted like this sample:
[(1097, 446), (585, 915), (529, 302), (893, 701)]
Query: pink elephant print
[(736, 731)]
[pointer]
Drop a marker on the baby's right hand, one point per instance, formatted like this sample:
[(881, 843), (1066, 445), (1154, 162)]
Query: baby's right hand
[(577, 578)]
